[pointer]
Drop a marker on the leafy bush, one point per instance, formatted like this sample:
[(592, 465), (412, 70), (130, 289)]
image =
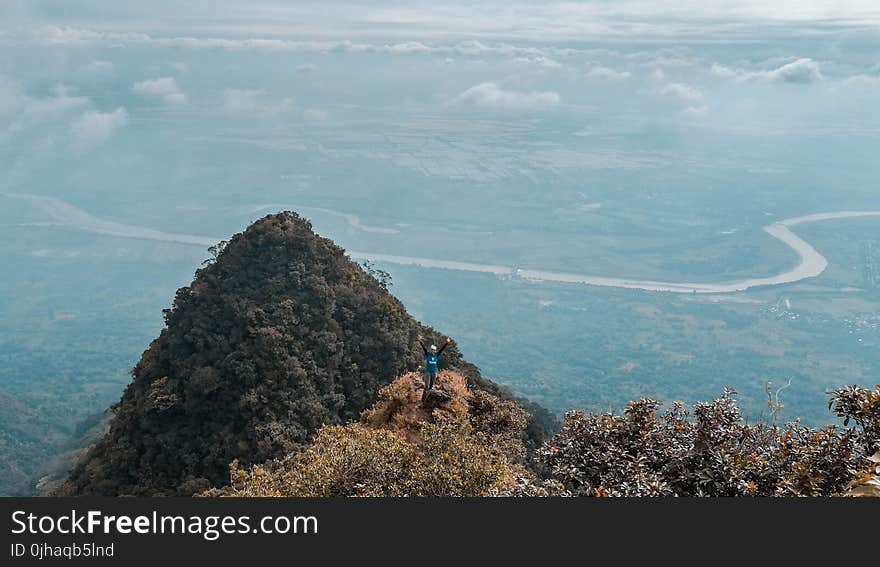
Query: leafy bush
[(402, 448), (350, 460), (863, 407), (712, 452), (457, 461)]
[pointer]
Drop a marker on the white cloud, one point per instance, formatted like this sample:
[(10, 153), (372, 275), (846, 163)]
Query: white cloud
[(540, 61), (67, 35), (251, 101), (558, 19), (665, 59), (476, 47), (94, 128), (306, 68), (727, 72), (63, 35), (555, 20), (408, 47), (691, 96), (799, 71), (490, 95), (607, 74), (20, 112), (682, 92), (164, 89)]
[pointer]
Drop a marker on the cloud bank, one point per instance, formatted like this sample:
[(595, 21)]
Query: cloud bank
[(56, 35), (607, 74), (20, 112), (800, 71), (164, 89), (682, 92), (492, 96), (94, 128), (419, 21)]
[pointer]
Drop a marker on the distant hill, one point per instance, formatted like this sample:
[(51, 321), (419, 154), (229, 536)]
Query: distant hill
[(278, 335), (27, 440)]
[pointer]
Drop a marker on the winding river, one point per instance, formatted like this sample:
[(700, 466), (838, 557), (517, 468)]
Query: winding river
[(811, 263)]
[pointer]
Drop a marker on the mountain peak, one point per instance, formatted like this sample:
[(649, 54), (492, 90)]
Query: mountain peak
[(278, 334)]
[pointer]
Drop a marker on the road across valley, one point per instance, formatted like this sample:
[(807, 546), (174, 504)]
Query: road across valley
[(811, 263)]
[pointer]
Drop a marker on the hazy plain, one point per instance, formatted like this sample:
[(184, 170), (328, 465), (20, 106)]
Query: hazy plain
[(516, 141)]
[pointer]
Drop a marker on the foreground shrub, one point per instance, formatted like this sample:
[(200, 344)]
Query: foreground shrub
[(355, 460), (712, 452), (350, 460), (457, 444)]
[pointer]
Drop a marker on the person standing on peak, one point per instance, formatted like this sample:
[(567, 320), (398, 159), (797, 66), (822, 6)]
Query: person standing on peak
[(432, 355)]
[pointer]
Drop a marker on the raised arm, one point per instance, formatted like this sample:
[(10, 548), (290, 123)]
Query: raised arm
[(421, 344), (445, 344)]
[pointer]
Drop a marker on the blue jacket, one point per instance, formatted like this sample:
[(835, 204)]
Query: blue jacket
[(431, 358)]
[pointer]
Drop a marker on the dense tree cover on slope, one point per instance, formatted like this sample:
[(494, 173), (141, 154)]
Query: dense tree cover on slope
[(280, 334)]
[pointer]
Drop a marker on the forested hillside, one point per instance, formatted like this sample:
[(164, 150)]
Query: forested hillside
[(278, 335)]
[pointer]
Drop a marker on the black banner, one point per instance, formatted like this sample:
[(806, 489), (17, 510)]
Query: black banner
[(126, 531)]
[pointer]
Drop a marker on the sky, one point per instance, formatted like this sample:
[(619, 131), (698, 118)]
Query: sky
[(422, 20), (548, 40)]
